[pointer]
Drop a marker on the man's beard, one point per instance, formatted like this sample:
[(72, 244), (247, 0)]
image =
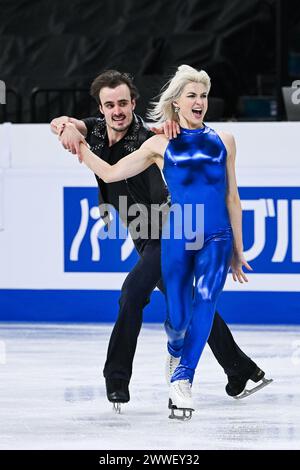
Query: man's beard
[(120, 129)]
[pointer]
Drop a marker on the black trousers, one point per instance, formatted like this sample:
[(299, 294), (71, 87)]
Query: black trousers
[(135, 295)]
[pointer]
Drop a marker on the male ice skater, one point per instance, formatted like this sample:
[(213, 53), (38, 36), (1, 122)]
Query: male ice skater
[(120, 132)]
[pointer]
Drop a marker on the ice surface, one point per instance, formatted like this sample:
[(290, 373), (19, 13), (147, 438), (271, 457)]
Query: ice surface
[(53, 396)]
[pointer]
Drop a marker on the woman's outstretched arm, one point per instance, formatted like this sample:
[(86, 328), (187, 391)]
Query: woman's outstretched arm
[(129, 166), (235, 212)]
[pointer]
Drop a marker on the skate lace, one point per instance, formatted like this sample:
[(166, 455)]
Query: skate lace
[(173, 363)]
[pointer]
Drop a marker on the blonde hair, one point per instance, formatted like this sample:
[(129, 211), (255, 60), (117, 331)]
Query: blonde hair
[(163, 109)]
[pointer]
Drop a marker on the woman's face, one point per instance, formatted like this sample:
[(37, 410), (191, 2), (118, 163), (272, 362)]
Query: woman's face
[(192, 105)]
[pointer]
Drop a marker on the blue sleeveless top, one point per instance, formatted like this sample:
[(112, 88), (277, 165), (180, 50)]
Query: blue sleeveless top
[(195, 173)]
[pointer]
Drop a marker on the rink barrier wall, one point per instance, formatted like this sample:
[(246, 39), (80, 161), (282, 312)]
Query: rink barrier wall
[(53, 267)]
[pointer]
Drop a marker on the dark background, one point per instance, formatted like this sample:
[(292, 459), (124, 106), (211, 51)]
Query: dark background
[(249, 47)]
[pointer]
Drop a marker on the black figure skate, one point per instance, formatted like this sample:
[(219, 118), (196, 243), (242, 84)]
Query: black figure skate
[(237, 386), (117, 392)]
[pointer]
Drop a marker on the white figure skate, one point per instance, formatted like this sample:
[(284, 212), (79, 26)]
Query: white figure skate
[(180, 400)]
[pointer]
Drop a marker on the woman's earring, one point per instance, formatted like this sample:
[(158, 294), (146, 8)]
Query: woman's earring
[(176, 109)]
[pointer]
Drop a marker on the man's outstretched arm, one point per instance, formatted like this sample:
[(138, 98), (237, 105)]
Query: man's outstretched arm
[(58, 124)]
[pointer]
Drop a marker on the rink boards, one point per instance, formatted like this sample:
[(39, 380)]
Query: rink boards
[(53, 267)]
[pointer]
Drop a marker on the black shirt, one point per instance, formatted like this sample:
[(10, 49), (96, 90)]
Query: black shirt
[(143, 190), (114, 190)]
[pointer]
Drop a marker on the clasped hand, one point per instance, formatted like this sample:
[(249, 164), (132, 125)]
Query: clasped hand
[(71, 138)]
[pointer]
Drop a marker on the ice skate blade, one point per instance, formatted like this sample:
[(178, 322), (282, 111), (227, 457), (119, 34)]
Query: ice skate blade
[(186, 412), (117, 407), (246, 392)]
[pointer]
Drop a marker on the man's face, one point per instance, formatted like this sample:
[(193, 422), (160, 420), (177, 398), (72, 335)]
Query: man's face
[(117, 107)]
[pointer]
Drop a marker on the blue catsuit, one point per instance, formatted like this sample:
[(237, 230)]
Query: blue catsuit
[(195, 172)]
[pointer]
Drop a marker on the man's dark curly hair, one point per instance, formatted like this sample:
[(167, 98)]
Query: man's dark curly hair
[(112, 79)]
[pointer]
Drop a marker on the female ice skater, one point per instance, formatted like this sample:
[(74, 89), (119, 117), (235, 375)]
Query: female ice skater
[(199, 168)]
